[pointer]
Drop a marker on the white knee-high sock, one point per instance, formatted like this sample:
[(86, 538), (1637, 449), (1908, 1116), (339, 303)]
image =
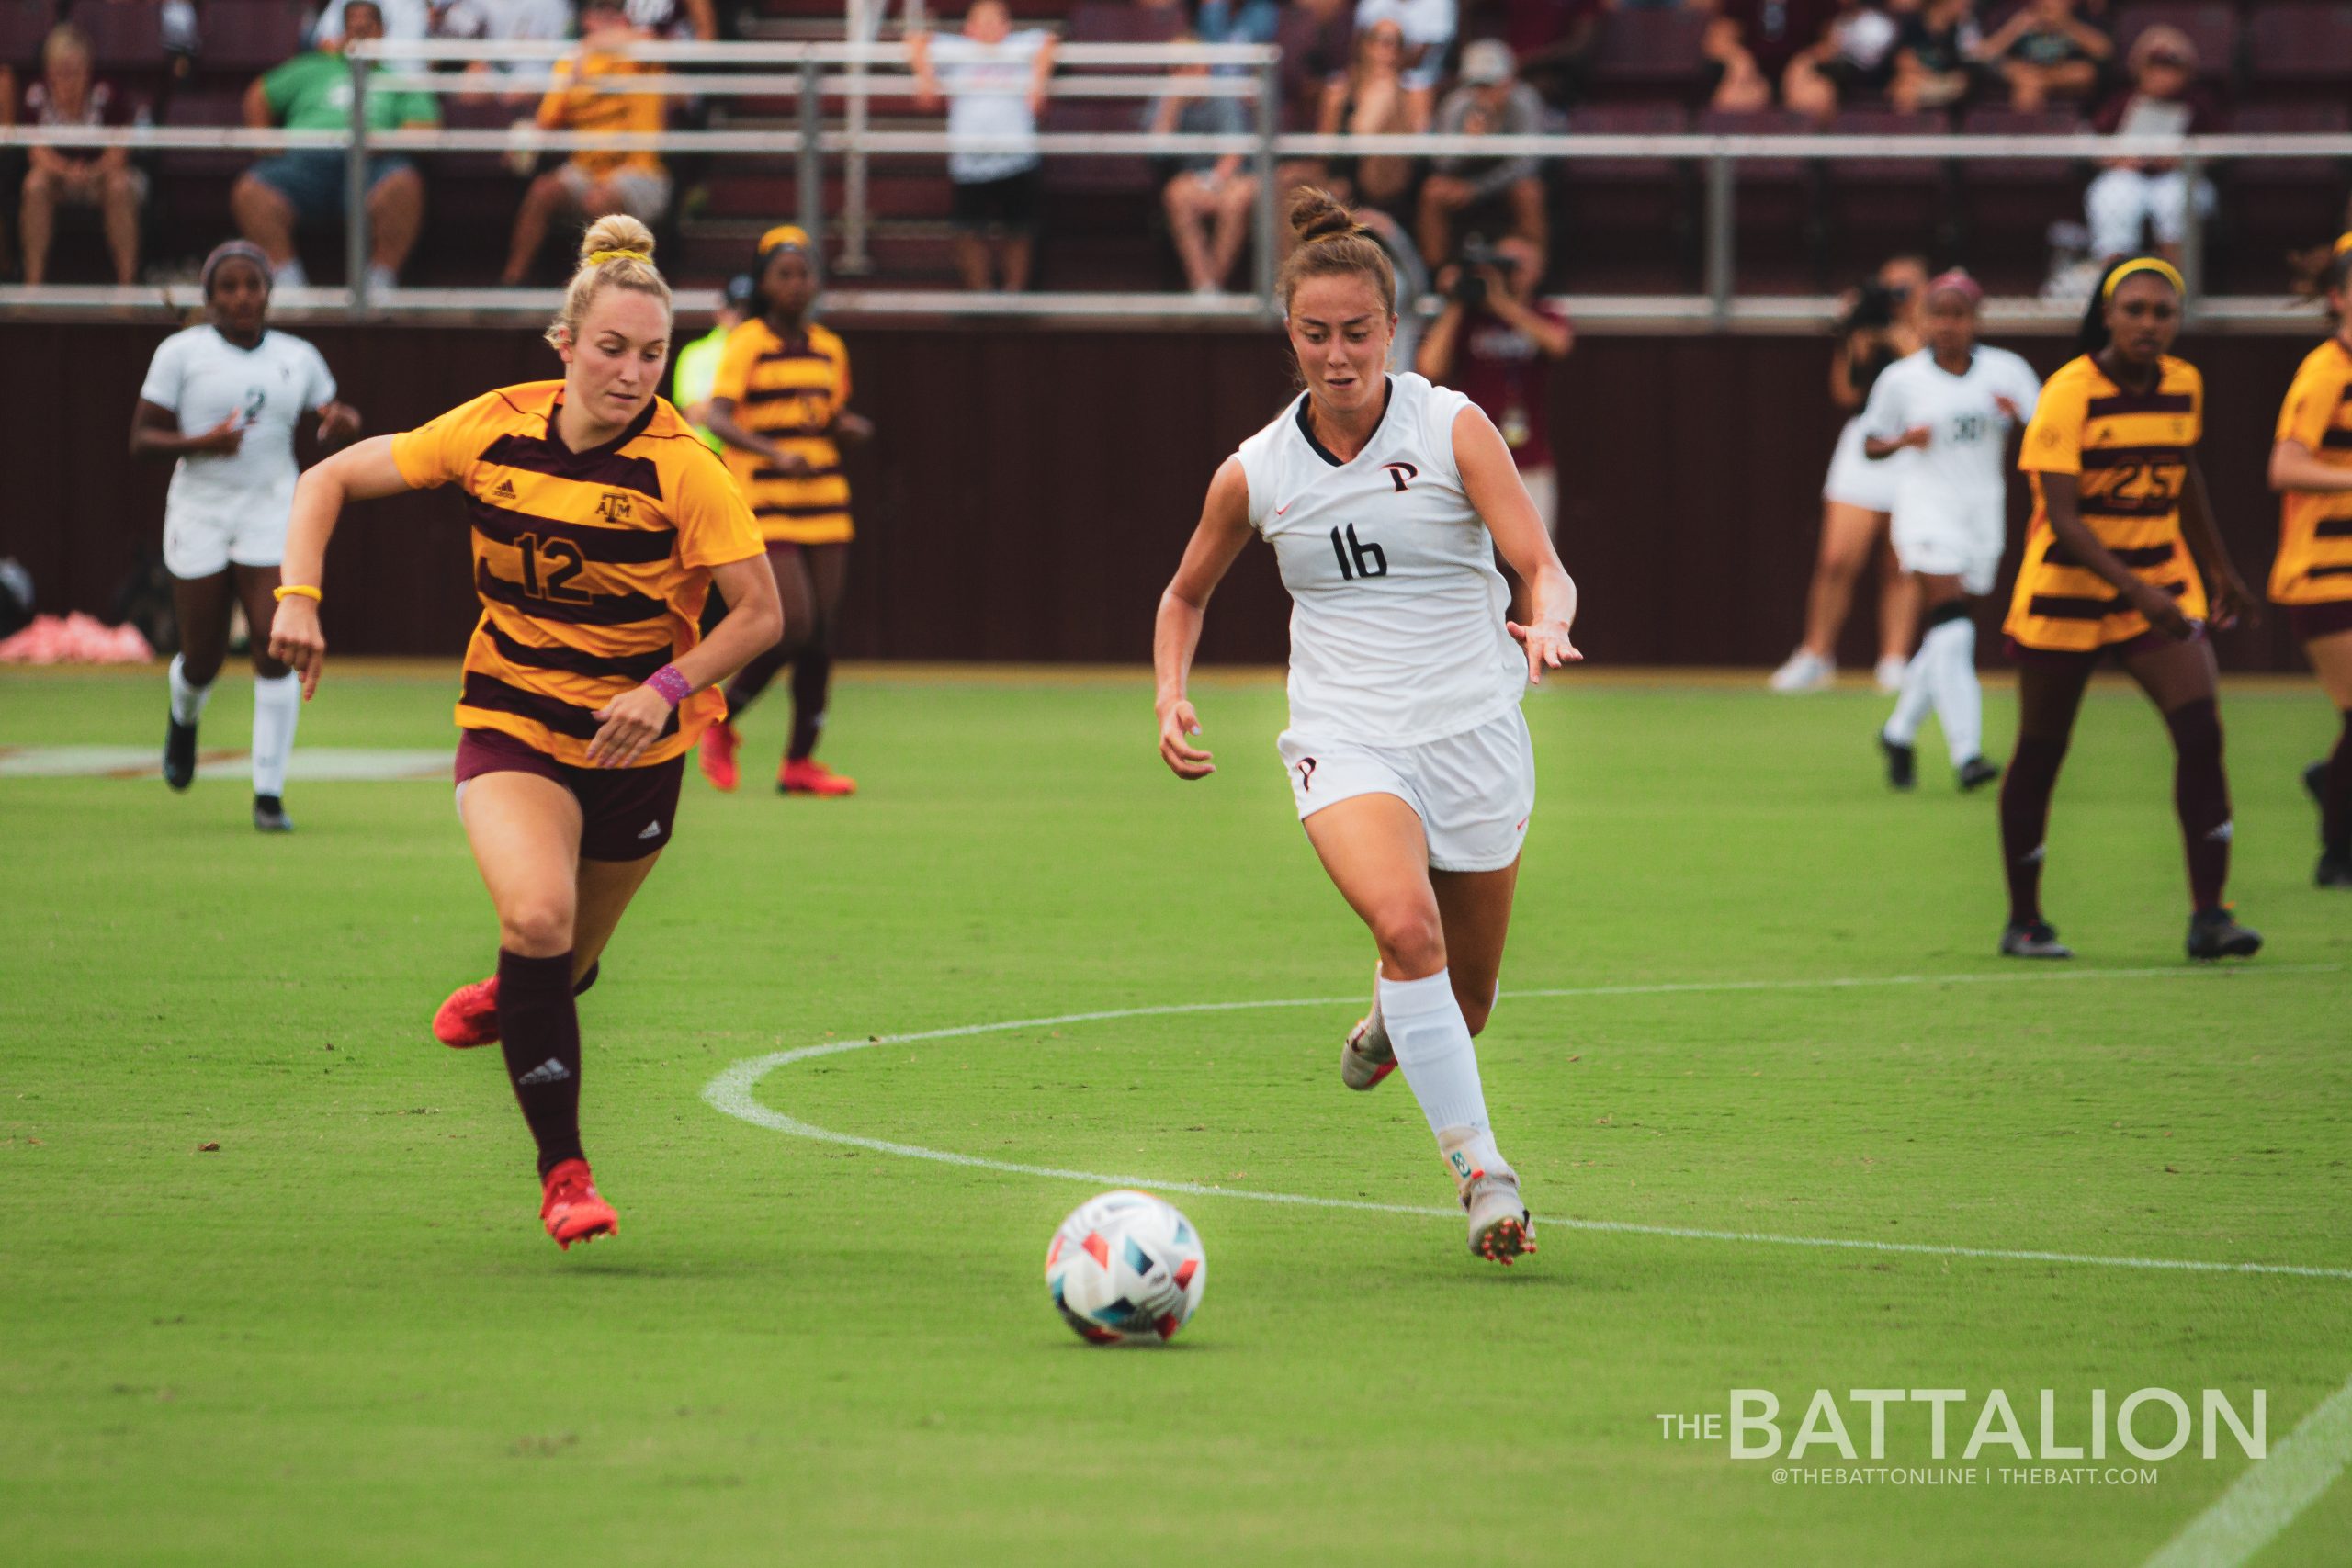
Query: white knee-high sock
[(1912, 700), (1433, 1047), (187, 702), (277, 707), (1951, 676)]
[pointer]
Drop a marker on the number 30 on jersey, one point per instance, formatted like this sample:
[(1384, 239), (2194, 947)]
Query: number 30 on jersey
[(1358, 558)]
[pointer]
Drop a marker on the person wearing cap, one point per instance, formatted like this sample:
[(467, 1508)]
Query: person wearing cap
[(2133, 195), (304, 185), (696, 364), (1491, 101), (780, 405), (594, 183), (1951, 406), (222, 400)]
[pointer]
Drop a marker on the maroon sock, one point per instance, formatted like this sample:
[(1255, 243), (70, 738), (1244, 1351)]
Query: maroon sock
[(751, 679), (580, 986), (2026, 789), (812, 682), (2336, 796), (2201, 794), (539, 1028)]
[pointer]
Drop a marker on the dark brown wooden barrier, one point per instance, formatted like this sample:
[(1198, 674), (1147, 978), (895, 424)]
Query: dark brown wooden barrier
[(1031, 488)]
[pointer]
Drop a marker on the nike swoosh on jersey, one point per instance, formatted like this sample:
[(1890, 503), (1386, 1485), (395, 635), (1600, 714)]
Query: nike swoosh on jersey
[(1285, 506)]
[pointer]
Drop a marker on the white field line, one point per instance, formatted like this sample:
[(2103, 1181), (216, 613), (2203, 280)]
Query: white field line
[(733, 1092), (2267, 1497)]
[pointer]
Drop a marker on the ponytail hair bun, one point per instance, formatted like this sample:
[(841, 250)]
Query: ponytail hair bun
[(1331, 244), (615, 253)]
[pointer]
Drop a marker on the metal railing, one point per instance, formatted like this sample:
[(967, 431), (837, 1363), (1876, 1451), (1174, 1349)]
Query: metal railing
[(854, 73)]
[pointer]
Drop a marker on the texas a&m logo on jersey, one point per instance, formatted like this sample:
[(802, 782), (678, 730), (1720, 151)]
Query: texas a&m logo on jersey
[(613, 506)]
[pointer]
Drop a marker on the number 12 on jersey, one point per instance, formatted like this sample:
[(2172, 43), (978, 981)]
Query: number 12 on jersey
[(1358, 558)]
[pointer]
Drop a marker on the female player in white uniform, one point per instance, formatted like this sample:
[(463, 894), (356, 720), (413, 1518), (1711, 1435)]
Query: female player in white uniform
[(223, 399), (1385, 499), (1951, 408)]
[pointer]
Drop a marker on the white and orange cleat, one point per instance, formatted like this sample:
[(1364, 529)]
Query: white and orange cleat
[(1367, 1057), (570, 1207), (1500, 1227)]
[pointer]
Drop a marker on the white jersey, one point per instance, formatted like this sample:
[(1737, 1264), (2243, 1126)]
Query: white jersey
[(205, 378), (1397, 632), (1963, 468)]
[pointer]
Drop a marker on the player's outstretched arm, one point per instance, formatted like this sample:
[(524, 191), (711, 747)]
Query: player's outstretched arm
[(1217, 541), (361, 472), (1490, 479)]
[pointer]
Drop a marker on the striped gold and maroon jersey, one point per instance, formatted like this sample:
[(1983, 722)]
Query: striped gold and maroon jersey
[(789, 390), (2131, 452), (591, 566), (2314, 562)]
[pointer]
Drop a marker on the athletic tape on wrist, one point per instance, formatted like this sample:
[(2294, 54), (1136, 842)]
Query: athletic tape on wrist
[(674, 687)]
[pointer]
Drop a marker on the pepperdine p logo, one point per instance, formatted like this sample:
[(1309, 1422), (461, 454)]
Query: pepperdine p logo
[(1400, 472)]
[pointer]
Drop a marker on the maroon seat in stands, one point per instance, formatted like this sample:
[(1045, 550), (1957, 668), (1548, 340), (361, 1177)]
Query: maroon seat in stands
[(2008, 203), (125, 35), (2302, 43), (246, 37), (1625, 225), (23, 25), (1881, 206), (1121, 21), (2272, 206), (2212, 26), (1776, 229), (1650, 52), (1095, 172)]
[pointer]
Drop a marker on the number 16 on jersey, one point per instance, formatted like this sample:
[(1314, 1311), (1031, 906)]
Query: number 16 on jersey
[(1358, 558)]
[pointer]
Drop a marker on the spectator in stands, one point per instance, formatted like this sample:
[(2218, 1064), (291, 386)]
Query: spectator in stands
[(504, 21), (1749, 45), (993, 83), (1208, 199), (402, 21), (595, 184), (1552, 39), (1502, 192), (1493, 343), (1238, 21), (673, 18), (1854, 60), (78, 177), (304, 185), (1373, 100), (1427, 28), (2163, 100), (2046, 51), (1935, 57), (1317, 43)]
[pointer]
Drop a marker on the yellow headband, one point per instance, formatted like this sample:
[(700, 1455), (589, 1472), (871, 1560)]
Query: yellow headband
[(2163, 269), (2343, 243), (599, 258), (782, 236)]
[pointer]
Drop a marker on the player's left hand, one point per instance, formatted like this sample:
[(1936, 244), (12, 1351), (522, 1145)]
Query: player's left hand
[(1547, 644), (338, 422), (633, 721)]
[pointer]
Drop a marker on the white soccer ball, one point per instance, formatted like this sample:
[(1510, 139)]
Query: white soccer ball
[(1127, 1269)]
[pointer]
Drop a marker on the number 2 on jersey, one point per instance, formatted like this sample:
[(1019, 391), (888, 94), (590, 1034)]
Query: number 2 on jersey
[(1358, 558)]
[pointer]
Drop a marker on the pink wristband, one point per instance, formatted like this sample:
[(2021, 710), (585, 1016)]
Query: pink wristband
[(671, 684)]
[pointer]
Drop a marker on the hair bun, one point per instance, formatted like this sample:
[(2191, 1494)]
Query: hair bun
[(617, 232), (1316, 215)]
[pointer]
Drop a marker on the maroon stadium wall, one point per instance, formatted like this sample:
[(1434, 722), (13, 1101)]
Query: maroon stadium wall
[(1031, 488)]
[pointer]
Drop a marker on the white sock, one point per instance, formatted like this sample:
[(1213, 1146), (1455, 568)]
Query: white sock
[(288, 274), (1432, 1043), (277, 707), (381, 277), (187, 702), (1912, 700), (1951, 676)]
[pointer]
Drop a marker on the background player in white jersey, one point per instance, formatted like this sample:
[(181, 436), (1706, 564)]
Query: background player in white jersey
[(1385, 499), (223, 399), (1951, 406)]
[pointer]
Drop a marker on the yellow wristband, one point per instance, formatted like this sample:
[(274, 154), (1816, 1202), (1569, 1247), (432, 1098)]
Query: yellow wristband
[(297, 590)]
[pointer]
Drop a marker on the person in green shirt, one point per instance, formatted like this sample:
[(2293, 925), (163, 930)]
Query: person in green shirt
[(304, 185), (698, 363)]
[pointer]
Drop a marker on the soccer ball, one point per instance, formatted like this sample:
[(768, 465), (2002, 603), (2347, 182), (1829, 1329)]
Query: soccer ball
[(1127, 1269)]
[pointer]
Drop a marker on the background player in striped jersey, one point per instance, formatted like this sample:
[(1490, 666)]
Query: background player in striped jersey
[(780, 405), (223, 399), (1386, 499), (2310, 467), (2122, 529), (600, 524)]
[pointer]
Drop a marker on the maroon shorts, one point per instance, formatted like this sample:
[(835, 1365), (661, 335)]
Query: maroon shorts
[(625, 813), (2148, 641), (2311, 621)]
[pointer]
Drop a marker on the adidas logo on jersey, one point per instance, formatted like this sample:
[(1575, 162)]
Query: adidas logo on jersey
[(549, 1071), (505, 491)]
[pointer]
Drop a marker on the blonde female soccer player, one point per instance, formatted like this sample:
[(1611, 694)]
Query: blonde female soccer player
[(2118, 560), (600, 524), (1385, 499), (2310, 467)]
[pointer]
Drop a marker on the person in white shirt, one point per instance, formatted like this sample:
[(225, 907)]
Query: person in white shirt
[(1385, 499), (1951, 406), (222, 400), (1429, 27), (993, 82)]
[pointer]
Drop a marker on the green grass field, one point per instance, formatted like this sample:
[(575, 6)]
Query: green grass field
[(342, 1339)]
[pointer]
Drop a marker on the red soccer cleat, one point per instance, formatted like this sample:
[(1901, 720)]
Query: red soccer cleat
[(469, 1018), (719, 745), (806, 775), (571, 1208)]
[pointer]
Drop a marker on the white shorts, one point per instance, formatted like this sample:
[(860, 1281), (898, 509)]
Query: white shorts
[(1473, 792), (1957, 538), (1854, 479), (643, 194), (202, 541)]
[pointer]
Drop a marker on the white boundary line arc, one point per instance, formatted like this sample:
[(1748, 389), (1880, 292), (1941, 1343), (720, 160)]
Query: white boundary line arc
[(732, 1092), (2268, 1494)]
